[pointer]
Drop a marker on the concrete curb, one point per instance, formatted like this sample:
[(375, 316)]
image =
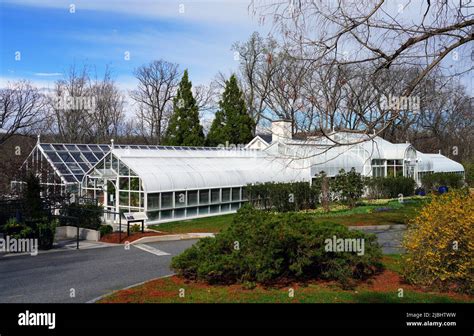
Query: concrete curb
[(380, 227), (173, 237), (128, 287)]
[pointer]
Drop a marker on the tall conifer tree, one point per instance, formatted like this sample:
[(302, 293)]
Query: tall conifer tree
[(232, 122), (184, 128)]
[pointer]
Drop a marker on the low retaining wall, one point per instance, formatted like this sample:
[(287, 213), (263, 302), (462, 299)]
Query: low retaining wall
[(65, 232)]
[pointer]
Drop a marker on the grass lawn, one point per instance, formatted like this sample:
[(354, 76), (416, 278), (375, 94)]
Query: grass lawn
[(378, 212), (382, 289), (208, 224), (391, 212)]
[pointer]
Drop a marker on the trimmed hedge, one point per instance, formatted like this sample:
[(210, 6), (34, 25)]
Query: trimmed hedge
[(264, 247), (435, 180), (105, 229), (390, 187), (283, 197)]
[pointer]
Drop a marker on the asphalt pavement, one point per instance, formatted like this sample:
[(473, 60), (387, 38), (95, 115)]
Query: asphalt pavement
[(82, 275), (69, 275)]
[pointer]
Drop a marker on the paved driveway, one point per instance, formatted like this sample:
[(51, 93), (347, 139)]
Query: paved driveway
[(88, 273), (390, 238)]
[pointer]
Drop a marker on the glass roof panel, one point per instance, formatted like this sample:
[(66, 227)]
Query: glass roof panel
[(90, 157), (71, 147), (65, 156), (85, 167), (75, 168), (74, 159), (70, 178), (77, 156), (62, 168), (53, 156)]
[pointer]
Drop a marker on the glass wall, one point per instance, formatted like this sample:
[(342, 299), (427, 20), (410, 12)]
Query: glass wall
[(50, 178), (389, 168), (193, 203), (378, 168), (125, 192), (394, 168), (123, 187)]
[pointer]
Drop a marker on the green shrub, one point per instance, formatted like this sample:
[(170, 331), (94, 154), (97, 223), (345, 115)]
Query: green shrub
[(135, 228), (266, 247), (400, 185), (12, 228), (374, 187), (41, 229), (105, 229), (89, 215), (283, 197), (32, 197), (27, 232), (469, 173), (45, 233), (390, 187), (18, 230), (433, 181), (349, 186)]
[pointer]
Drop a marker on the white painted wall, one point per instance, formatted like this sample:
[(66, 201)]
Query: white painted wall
[(281, 131)]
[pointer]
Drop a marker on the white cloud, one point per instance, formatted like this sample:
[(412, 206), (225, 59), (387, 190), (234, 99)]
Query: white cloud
[(48, 74)]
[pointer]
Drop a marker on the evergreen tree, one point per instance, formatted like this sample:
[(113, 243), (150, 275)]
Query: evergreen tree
[(232, 122), (32, 197), (184, 128), (349, 185)]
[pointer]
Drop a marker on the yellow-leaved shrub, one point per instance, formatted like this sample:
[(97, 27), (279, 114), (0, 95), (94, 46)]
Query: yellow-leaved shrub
[(439, 244)]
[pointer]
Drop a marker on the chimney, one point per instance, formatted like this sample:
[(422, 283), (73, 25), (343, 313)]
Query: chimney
[(281, 130)]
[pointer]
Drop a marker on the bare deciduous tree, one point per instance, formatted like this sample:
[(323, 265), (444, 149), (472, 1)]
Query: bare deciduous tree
[(157, 84), (22, 106), (108, 114), (376, 36), (86, 110), (71, 117), (205, 96), (257, 68)]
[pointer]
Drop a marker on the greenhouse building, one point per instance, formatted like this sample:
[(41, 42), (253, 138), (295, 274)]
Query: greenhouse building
[(179, 182), (173, 183)]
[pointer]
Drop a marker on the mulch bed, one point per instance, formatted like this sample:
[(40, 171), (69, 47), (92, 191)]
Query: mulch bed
[(387, 281), (392, 281), (114, 237)]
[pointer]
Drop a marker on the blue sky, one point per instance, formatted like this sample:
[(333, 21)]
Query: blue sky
[(99, 33)]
